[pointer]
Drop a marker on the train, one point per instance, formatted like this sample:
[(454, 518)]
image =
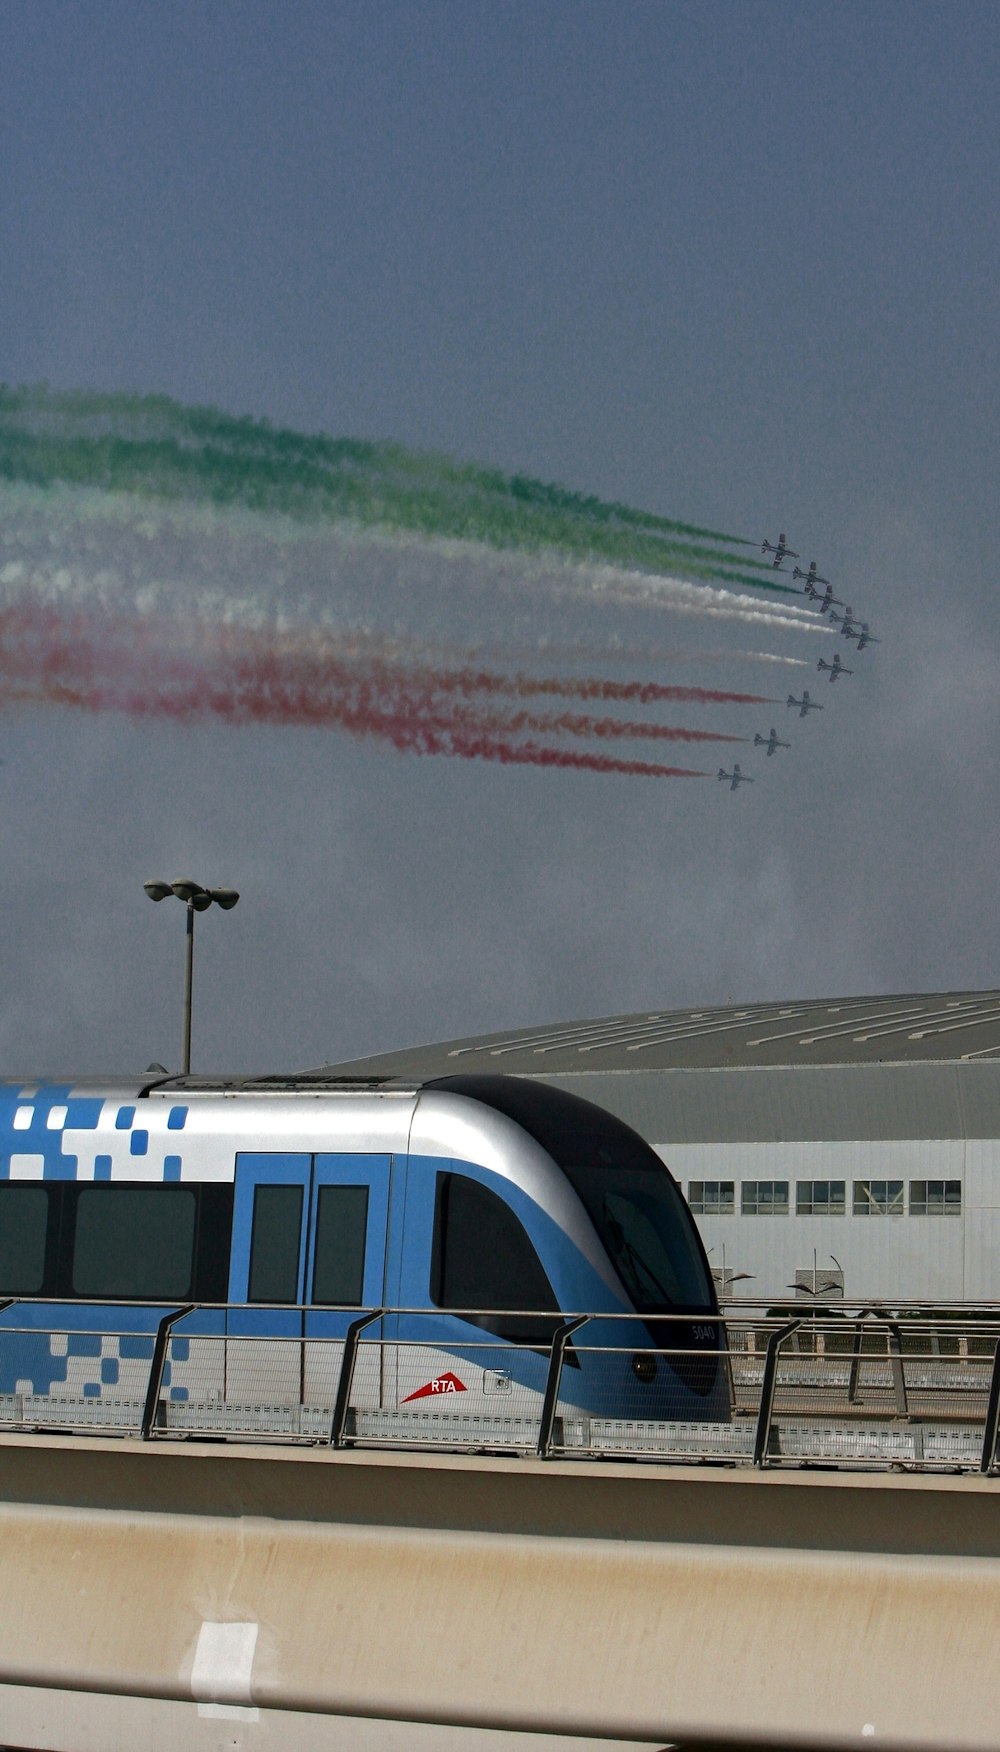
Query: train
[(463, 1219)]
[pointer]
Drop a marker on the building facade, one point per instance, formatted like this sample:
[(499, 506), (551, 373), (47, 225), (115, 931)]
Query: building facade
[(829, 1149)]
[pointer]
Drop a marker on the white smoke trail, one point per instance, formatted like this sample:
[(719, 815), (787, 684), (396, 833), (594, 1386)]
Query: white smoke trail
[(71, 545)]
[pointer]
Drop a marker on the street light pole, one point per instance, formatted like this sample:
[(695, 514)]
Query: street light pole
[(188, 983), (196, 899)]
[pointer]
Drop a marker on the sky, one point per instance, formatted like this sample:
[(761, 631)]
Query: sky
[(734, 265)]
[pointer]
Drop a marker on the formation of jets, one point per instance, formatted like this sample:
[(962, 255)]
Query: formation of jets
[(820, 591)]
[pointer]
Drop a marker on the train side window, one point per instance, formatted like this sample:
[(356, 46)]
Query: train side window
[(341, 1227), (483, 1258), (275, 1241), (24, 1216), (134, 1242)]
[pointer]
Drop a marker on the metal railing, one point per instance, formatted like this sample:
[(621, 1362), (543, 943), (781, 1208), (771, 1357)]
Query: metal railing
[(862, 1386)]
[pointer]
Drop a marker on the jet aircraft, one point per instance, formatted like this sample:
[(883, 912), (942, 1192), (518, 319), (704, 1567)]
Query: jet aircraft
[(781, 551), (863, 636), (805, 704), (835, 668), (735, 778), (827, 600), (845, 622), (770, 742), (809, 579)]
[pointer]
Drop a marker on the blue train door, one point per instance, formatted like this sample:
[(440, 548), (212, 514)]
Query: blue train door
[(309, 1248), (345, 1274)]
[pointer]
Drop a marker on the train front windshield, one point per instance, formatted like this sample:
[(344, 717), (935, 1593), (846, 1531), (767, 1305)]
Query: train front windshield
[(631, 1198), (648, 1233)]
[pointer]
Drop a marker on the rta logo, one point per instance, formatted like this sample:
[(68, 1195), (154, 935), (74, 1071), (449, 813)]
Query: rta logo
[(441, 1384)]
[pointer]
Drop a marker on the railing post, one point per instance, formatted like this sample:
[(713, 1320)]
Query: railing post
[(559, 1340), (990, 1428), (338, 1423), (856, 1350), (898, 1373), (160, 1342), (767, 1388)]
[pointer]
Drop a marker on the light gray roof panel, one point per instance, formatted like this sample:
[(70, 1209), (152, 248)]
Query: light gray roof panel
[(910, 1066), (953, 1027)]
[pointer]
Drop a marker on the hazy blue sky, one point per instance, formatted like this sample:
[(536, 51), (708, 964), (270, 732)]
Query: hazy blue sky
[(734, 263)]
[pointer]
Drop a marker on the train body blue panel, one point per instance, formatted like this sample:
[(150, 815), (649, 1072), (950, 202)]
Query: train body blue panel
[(478, 1213)]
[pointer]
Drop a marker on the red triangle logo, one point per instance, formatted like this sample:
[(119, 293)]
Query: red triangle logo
[(441, 1385)]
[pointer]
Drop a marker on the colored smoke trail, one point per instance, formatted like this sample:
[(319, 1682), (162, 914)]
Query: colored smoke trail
[(104, 654), (172, 562), (63, 544), (407, 732), (245, 681), (590, 687), (157, 449), (553, 650), (579, 724)]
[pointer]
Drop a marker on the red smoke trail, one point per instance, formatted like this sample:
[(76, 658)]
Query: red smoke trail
[(82, 645), (406, 731), (582, 724), (471, 681), (52, 657)]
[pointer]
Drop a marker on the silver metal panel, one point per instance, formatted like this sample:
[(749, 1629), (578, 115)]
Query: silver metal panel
[(460, 1129)]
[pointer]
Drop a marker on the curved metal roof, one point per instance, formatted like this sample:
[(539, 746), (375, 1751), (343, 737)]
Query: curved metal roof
[(949, 1027)]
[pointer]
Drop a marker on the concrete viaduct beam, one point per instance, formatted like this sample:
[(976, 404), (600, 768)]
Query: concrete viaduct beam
[(239, 1596)]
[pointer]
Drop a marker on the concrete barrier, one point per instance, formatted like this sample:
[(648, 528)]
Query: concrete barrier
[(477, 1602)]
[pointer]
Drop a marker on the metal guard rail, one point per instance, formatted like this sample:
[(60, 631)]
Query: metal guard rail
[(776, 1386)]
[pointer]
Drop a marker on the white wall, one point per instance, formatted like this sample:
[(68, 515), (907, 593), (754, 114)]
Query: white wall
[(939, 1258)]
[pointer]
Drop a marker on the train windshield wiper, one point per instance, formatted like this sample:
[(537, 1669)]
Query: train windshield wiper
[(638, 1268)]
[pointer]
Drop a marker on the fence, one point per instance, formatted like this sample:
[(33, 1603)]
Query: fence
[(777, 1386)]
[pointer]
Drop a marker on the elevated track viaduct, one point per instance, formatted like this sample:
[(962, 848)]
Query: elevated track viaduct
[(159, 1597)]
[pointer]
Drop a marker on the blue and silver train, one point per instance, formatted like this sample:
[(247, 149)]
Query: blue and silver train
[(469, 1215)]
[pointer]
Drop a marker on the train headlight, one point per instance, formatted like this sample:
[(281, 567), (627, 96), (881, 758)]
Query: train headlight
[(644, 1366)]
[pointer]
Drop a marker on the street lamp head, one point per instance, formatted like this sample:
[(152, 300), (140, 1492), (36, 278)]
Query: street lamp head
[(225, 897), (157, 890), (201, 900), (186, 890)]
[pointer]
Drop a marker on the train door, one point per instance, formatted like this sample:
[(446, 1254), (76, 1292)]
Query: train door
[(346, 1273), (309, 1242)]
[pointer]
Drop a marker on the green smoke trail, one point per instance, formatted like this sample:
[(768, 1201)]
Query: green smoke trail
[(157, 448)]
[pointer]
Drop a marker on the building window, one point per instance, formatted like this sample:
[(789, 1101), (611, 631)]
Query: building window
[(878, 1198), (764, 1198), (712, 1198), (820, 1198), (935, 1198)]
